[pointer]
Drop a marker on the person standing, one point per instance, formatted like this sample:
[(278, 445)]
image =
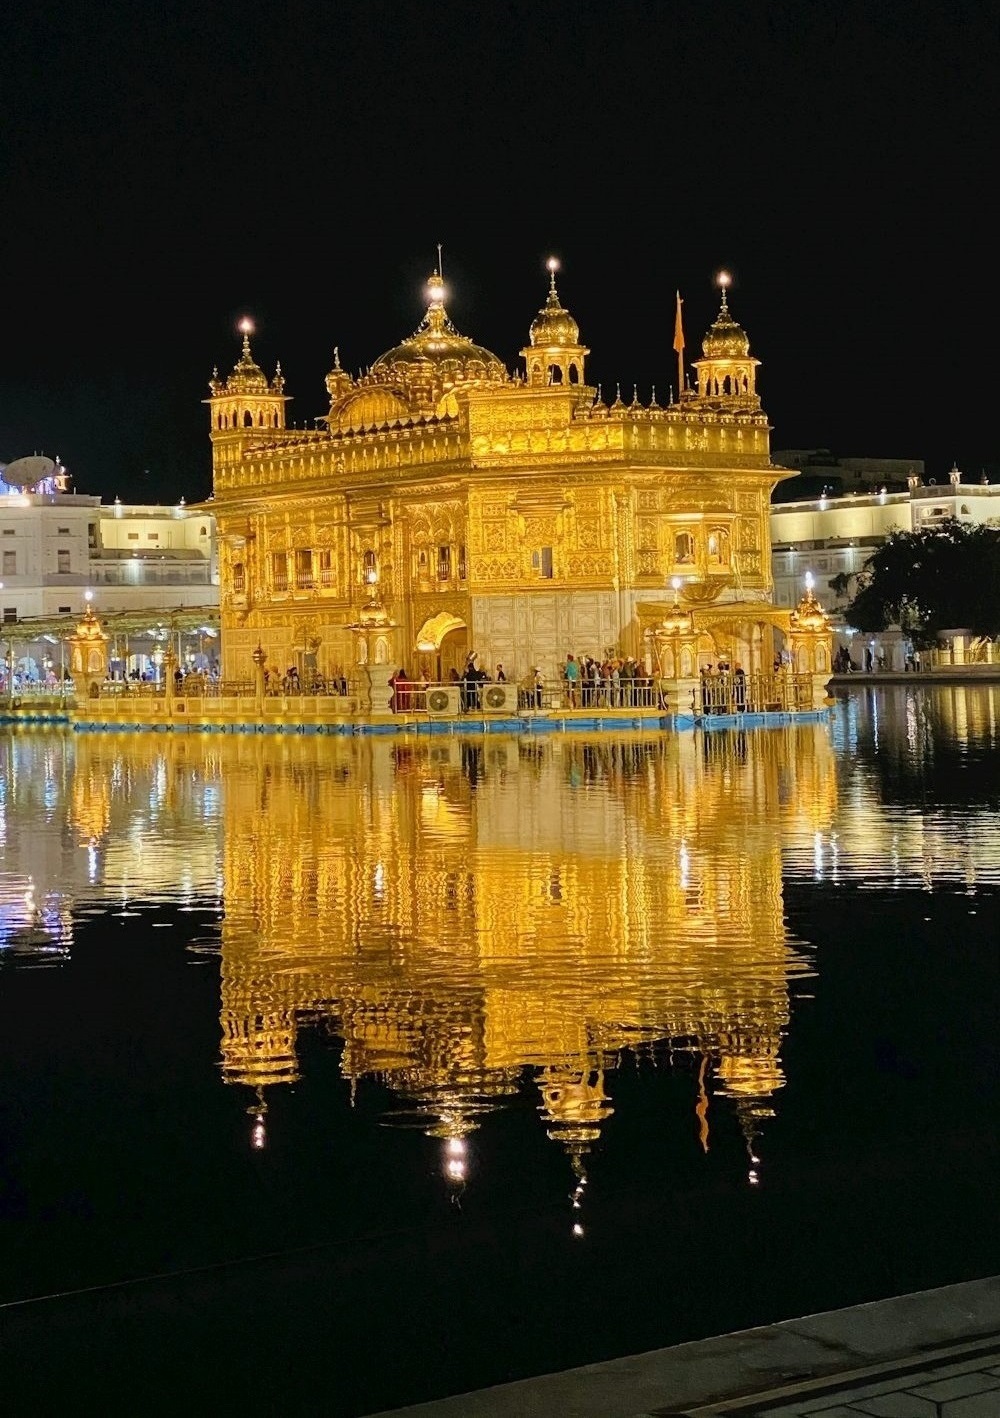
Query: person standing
[(571, 674)]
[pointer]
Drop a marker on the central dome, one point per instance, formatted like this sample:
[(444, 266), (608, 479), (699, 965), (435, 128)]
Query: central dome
[(437, 352)]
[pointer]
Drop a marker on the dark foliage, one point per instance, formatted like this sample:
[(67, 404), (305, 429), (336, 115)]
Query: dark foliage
[(945, 577)]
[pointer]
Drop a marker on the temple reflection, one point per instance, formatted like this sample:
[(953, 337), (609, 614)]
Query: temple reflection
[(471, 919)]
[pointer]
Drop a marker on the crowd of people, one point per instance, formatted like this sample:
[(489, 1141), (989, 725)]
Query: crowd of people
[(610, 683)]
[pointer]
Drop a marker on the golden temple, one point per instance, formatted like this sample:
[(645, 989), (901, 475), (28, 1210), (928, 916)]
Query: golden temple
[(515, 514)]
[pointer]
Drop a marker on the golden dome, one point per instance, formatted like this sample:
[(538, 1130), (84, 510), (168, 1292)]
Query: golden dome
[(725, 339), (368, 408), (438, 353), (247, 376), (553, 325)]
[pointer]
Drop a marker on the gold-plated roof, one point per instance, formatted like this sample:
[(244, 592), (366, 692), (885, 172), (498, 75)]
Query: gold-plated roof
[(247, 376), (437, 349), (725, 339), (553, 325)]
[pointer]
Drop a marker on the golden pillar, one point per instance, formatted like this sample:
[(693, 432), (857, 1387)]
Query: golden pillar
[(810, 646), (88, 648)]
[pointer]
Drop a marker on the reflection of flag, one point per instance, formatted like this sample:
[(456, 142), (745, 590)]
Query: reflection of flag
[(678, 327)]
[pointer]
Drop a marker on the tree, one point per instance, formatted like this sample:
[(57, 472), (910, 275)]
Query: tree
[(945, 577)]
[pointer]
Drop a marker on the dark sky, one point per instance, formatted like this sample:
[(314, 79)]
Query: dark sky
[(167, 168)]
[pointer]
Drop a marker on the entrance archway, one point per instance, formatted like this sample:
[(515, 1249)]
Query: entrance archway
[(442, 646)]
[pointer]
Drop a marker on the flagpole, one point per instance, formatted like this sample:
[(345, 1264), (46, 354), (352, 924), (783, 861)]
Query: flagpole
[(679, 347)]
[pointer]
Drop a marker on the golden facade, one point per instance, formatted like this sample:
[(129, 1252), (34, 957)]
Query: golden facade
[(519, 515)]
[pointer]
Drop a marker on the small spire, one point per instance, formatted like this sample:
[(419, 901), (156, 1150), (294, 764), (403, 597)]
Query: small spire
[(724, 280), (552, 265), (440, 268), (245, 328), (336, 358)]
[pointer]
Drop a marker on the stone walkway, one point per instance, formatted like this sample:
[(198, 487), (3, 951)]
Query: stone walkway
[(958, 1382), (935, 1354)]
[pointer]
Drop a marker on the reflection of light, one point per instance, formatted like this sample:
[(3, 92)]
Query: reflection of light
[(455, 1159), (577, 1229), (258, 1134), (379, 881)]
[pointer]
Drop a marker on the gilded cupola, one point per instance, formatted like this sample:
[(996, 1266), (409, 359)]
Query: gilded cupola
[(727, 375), (725, 339), (244, 403), (554, 354), (436, 359), (247, 376)]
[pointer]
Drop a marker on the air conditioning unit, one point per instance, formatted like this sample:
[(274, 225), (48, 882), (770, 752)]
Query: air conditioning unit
[(443, 700), (499, 698)]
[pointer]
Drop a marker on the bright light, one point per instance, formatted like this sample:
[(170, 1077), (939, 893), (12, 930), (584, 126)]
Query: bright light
[(88, 596), (810, 580), (552, 264), (675, 581), (577, 1229), (245, 326), (723, 279)]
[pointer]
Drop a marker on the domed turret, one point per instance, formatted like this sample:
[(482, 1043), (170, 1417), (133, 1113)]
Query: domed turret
[(244, 404), (727, 376), (725, 339), (338, 382), (247, 376), (553, 325), (554, 355)]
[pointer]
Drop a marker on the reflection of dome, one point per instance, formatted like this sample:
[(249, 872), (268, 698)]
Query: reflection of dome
[(437, 352), (725, 339), (553, 325)]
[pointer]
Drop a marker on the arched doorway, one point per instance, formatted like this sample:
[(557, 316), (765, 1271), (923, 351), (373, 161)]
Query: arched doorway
[(442, 646)]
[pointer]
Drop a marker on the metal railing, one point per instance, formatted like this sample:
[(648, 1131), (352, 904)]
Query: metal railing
[(730, 693), (411, 697)]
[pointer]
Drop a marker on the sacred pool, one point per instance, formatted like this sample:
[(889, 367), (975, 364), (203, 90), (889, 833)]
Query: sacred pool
[(384, 1069)]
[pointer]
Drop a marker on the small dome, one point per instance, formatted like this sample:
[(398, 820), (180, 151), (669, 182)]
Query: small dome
[(368, 408), (725, 339), (553, 325), (247, 376)]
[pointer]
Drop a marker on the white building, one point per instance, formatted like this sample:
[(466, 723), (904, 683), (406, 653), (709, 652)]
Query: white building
[(139, 566), (56, 546), (833, 537)]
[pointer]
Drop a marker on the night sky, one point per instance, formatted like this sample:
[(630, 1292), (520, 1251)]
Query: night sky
[(165, 169)]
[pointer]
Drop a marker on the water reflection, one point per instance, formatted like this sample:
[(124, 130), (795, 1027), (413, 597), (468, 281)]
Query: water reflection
[(460, 913), (474, 921)]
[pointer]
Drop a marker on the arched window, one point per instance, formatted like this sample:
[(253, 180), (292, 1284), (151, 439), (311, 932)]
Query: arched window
[(683, 548), (239, 578), (718, 547), (574, 373), (555, 374), (369, 567), (248, 419)]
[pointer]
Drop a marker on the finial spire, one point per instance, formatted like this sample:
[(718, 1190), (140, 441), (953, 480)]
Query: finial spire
[(724, 280), (336, 358), (245, 328), (552, 265), (440, 269)]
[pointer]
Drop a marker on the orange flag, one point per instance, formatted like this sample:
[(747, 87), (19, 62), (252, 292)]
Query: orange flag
[(678, 327)]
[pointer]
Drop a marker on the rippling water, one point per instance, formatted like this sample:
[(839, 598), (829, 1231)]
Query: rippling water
[(512, 1052)]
